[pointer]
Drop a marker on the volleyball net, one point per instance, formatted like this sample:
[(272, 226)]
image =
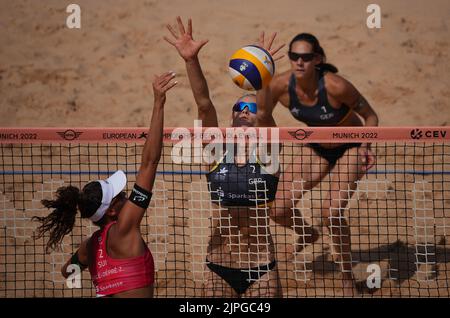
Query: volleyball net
[(397, 215)]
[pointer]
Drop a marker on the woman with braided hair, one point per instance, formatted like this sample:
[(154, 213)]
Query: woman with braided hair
[(119, 261)]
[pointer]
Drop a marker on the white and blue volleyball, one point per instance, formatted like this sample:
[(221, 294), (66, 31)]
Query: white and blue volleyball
[(251, 67)]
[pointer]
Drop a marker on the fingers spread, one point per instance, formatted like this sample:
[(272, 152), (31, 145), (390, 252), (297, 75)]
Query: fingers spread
[(272, 37), (202, 43), (274, 51), (279, 57), (189, 30), (171, 30), (261, 39), (169, 40), (180, 25)]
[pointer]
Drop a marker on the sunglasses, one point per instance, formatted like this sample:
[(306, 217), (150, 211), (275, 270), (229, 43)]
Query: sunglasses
[(238, 107), (306, 57)]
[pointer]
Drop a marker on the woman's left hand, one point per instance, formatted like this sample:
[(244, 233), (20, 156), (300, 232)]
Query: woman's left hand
[(267, 45), (161, 84), (368, 158)]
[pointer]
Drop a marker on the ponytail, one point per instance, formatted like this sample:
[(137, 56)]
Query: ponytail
[(327, 67), (61, 220)]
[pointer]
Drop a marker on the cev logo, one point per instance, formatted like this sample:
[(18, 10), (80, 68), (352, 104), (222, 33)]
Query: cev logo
[(435, 134)]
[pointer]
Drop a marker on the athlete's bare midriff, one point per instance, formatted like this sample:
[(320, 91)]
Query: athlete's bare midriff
[(242, 239)]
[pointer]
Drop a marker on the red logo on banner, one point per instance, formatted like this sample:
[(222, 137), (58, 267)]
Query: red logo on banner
[(69, 134), (300, 134)]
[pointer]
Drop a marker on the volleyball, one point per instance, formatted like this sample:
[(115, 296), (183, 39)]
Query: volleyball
[(251, 67)]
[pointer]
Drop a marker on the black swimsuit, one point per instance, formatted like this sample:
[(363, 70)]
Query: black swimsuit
[(233, 186), (240, 279), (321, 114), (332, 155)]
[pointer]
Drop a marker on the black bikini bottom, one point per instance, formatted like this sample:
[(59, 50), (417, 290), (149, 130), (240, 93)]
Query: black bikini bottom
[(332, 155), (240, 279)]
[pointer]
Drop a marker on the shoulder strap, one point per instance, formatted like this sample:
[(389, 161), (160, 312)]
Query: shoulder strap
[(293, 98), (323, 98), (218, 163)]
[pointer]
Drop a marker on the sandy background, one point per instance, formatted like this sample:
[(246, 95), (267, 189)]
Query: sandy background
[(100, 76)]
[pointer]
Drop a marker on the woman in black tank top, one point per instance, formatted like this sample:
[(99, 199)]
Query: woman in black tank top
[(316, 96)]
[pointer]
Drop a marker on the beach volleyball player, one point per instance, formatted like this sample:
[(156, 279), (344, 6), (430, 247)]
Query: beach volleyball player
[(240, 257), (317, 96), (118, 244)]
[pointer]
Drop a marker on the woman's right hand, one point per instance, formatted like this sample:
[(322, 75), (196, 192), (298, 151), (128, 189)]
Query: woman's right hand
[(161, 84), (267, 45), (184, 42)]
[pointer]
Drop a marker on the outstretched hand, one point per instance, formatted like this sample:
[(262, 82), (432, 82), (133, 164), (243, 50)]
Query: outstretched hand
[(161, 84), (267, 45), (183, 41)]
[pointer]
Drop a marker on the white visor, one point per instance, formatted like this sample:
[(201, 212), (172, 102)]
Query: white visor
[(110, 188)]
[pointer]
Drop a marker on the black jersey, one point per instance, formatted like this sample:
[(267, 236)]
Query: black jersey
[(248, 185), (321, 114)]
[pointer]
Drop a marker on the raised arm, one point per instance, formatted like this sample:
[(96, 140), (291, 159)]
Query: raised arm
[(264, 116), (264, 96), (188, 49), (131, 215)]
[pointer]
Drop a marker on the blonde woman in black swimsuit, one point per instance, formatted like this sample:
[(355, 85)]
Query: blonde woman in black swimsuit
[(241, 253), (316, 96)]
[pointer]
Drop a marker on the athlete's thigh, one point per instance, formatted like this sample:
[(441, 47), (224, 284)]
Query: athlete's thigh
[(344, 175), (306, 171), (268, 285)]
